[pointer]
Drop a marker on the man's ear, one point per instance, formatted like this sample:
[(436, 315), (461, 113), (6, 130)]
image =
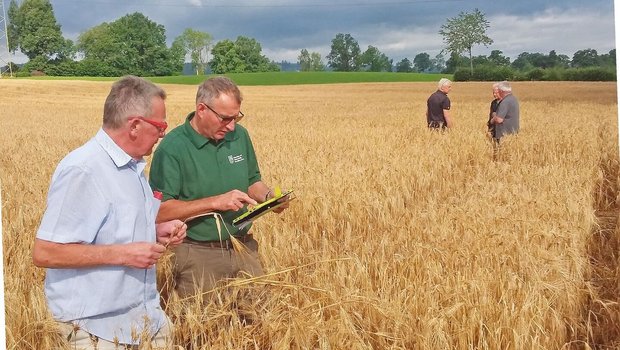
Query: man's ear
[(200, 107), (133, 127)]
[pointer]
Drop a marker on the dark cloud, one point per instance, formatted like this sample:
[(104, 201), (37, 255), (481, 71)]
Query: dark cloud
[(398, 28)]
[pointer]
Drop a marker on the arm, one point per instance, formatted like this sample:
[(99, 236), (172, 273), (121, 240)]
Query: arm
[(76, 208), (263, 192), (178, 209), (171, 232), (446, 115), (260, 192), (139, 255), (497, 119), (500, 112)]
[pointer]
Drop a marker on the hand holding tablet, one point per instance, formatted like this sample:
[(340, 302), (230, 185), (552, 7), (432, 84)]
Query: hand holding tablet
[(280, 198)]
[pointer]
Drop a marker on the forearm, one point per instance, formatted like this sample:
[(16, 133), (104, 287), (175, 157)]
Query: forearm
[(448, 118), (181, 210), (75, 255)]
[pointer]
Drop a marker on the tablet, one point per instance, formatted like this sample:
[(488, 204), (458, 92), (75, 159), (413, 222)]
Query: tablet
[(259, 210)]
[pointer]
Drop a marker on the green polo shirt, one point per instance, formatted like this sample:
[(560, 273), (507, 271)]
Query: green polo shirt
[(188, 166)]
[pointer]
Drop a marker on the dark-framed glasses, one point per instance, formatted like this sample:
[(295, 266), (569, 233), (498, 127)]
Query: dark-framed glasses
[(225, 119)]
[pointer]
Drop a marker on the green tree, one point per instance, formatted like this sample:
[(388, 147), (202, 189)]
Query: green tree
[(438, 63), (177, 56), (562, 61), (242, 56), (344, 54), (249, 50), (539, 60), (12, 27), (464, 31), (481, 60), (527, 61), (522, 62), (456, 60), (34, 29), (226, 59), (316, 63), (375, 61), (422, 62), (404, 66), (310, 62), (67, 51), (497, 58), (608, 59), (197, 44), (38, 64), (133, 44), (304, 60), (99, 44), (585, 58)]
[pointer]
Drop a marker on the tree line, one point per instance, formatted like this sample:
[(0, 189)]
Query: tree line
[(134, 44)]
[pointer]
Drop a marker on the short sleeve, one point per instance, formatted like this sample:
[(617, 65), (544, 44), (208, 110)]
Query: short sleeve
[(76, 208), (503, 108), (446, 103), (253, 170), (165, 174)]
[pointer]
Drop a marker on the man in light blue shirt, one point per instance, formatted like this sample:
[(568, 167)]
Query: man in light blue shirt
[(98, 238)]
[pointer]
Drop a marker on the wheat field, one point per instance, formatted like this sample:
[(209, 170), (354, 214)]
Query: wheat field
[(399, 238)]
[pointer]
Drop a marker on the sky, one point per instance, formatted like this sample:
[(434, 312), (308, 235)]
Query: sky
[(398, 28)]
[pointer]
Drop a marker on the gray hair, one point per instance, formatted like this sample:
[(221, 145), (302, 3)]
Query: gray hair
[(504, 86), (129, 96), (212, 88), (443, 82)]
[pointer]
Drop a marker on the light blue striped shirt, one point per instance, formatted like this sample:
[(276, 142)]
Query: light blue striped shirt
[(100, 195)]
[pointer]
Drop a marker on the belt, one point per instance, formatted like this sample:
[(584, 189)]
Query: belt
[(224, 244)]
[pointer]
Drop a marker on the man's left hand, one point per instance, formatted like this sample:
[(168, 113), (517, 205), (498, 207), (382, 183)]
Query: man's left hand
[(283, 206), (171, 232)]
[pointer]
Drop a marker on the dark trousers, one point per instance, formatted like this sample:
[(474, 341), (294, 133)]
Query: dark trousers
[(437, 125)]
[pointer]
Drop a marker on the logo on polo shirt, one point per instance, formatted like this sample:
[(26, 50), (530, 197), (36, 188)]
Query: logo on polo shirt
[(235, 159)]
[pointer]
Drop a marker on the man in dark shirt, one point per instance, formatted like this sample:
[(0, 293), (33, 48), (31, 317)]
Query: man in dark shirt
[(438, 106)]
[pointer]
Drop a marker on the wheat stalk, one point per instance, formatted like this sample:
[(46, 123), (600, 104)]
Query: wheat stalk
[(238, 246)]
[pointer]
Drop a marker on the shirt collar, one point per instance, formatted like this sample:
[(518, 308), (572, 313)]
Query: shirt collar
[(199, 140), (118, 156)]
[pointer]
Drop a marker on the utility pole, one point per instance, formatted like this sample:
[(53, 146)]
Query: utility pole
[(5, 65)]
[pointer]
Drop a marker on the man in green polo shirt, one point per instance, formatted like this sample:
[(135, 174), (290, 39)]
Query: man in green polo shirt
[(208, 165)]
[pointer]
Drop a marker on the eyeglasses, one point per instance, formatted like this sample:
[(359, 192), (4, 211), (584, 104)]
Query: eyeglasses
[(161, 126), (224, 119)]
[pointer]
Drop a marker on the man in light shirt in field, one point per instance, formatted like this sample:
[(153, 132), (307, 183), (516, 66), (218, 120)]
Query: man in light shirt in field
[(98, 238), (208, 165)]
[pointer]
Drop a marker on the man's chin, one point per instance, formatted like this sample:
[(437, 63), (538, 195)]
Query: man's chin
[(220, 136)]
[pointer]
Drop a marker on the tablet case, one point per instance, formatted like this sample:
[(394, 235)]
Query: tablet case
[(263, 208)]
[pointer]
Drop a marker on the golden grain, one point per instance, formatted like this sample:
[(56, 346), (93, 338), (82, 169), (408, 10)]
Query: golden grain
[(399, 239)]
